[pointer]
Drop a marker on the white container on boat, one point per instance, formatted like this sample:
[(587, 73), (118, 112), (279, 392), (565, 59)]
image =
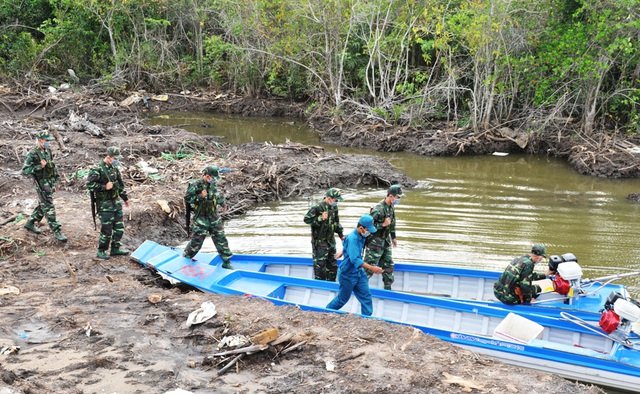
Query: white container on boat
[(570, 270), (517, 328), (626, 310)]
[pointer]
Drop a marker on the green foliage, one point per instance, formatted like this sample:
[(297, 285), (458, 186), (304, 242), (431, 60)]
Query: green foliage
[(217, 56), (17, 51), (624, 109), (471, 61), (80, 174)]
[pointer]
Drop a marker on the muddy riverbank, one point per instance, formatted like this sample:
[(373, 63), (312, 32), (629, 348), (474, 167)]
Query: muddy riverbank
[(84, 325)]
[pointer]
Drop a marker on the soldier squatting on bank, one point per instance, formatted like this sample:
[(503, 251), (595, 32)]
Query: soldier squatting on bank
[(105, 183), (40, 166)]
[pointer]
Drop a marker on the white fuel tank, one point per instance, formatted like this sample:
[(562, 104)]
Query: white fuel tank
[(626, 310), (570, 270)]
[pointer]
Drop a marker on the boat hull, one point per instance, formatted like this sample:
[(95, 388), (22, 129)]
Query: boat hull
[(466, 284), (562, 347)]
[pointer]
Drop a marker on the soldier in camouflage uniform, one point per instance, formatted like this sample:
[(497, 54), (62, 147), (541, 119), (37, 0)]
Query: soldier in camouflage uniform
[(514, 286), (325, 222), (40, 166), (380, 243), (106, 183), (204, 197)]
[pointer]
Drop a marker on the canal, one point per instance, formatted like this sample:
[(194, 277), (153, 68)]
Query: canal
[(478, 212)]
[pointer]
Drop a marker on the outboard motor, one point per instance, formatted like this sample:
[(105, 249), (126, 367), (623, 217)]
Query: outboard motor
[(554, 261), (568, 276), (566, 281), (618, 316)]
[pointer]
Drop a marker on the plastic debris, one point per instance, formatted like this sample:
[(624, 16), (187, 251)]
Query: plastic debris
[(206, 311), (179, 391), (233, 341), (330, 365), (133, 99), (168, 278), (146, 168), (500, 154), (160, 97), (9, 349), (8, 289)]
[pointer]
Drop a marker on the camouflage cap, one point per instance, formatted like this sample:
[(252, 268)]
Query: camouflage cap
[(395, 190), (44, 135), (539, 250), (212, 171), (114, 151), (335, 193)]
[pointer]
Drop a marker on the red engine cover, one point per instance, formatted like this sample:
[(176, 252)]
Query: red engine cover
[(609, 321), (560, 285)]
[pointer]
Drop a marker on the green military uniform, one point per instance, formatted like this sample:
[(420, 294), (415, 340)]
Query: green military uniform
[(379, 245), (323, 241), (45, 181), (207, 220), (514, 286), (109, 204)]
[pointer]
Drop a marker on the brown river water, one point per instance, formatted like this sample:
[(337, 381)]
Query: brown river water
[(478, 212)]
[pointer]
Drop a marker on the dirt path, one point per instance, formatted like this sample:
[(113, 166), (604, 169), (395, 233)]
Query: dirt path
[(87, 326)]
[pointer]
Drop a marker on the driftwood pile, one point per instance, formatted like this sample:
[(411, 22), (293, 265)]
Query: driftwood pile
[(160, 161)]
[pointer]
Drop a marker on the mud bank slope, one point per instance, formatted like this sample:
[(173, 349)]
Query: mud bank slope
[(87, 326)]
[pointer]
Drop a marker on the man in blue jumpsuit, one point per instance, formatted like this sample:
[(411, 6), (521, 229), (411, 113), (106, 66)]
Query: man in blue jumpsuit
[(351, 273)]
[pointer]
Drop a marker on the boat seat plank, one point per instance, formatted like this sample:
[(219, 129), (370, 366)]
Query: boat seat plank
[(570, 349), (259, 287), (163, 258)]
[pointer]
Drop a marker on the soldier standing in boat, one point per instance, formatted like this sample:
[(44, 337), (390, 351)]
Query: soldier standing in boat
[(515, 285), (380, 243), (106, 185), (207, 202), (39, 165), (325, 223)]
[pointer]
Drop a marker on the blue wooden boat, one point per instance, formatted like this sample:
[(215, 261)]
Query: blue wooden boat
[(564, 345), (586, 298)]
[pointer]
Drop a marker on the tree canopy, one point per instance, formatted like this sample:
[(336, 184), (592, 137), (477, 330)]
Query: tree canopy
[(479, 63)]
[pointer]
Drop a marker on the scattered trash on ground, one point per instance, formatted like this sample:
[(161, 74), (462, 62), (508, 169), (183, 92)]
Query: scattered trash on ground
[(206, 311), (270, 339)]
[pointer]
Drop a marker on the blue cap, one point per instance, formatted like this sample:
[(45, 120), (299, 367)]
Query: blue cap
[(366, 221)]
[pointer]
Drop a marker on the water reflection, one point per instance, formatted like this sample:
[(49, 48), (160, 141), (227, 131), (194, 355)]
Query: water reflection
[(466, 211)]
